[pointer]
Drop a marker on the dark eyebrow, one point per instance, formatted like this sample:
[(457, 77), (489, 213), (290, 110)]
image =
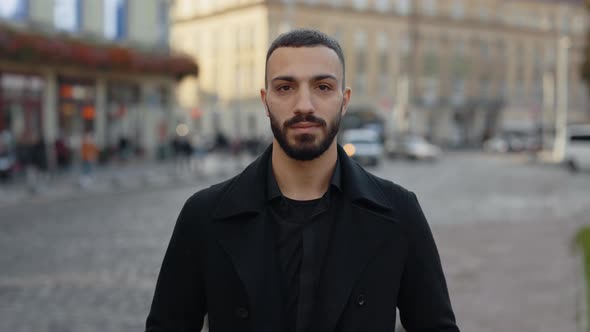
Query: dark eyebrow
[(324, 77), (284, 78), (314, 78)]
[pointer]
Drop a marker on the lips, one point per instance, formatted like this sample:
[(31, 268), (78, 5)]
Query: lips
[(303, 125)]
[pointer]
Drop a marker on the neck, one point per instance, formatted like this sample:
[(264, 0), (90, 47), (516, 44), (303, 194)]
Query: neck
[(303, 180)]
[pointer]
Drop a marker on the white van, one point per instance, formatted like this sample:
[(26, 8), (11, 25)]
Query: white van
[(577, 153)]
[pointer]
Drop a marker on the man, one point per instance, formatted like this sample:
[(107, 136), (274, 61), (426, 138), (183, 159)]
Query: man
[(304, 239)]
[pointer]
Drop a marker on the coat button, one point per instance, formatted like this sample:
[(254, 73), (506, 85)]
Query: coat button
[(361, 301), (242, 312)]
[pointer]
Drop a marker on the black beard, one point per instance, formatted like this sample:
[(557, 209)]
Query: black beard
[(304, 149)]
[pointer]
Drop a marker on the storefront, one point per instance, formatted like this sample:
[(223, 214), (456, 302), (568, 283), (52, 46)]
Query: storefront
[(56, 89), (76, 109), (21, 100), (124, 125)]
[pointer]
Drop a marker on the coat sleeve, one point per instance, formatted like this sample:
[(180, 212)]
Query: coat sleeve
[(179, 299), (423, 298)]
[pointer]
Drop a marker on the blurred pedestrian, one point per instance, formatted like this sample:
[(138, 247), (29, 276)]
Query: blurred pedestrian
[(124, 149), (304, 239), (221, 142), (89, 154), (62, 153)]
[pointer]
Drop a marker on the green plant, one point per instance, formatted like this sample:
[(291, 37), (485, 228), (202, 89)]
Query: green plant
[(582, 242)]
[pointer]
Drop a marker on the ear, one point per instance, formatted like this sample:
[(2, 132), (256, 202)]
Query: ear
[(263, 99), (346, 99)]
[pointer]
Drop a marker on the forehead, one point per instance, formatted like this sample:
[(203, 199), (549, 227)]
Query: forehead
[(301, 62)]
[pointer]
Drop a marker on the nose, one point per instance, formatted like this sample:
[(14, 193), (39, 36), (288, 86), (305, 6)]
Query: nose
[(304, 101)]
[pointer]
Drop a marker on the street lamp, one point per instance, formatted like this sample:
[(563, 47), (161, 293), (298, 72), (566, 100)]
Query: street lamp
[(563, 45)]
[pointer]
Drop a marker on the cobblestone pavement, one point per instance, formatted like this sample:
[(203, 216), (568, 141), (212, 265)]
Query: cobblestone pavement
[(131, 176), (503, 227)]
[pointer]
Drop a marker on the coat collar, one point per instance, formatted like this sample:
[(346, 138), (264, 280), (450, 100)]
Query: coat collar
[(246, 193)]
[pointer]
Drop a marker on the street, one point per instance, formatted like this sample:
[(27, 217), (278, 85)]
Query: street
[(503, 225)]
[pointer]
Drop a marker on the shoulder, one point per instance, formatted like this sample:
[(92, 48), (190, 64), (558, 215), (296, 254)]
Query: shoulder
[(397, 194), (406, 208), (201, 203)]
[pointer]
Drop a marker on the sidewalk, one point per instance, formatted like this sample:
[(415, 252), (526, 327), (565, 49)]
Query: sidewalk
[(133, 175)]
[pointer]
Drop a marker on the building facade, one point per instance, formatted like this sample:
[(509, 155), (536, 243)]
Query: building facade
[(101, 67), (456, 71)]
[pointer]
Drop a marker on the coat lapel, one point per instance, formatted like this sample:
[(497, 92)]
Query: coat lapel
[(242, 227), (363, 224), (249, 242), (356, 236)]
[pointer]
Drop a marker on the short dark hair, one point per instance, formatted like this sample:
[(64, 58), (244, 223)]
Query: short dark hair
[(305, 38)]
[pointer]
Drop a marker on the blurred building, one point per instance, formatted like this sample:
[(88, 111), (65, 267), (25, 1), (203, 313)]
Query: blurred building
[(456, 71), (101, 66)]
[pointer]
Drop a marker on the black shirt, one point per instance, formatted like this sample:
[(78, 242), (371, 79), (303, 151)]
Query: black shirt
[(301, 242)]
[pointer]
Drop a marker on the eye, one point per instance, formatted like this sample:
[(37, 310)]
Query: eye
[(284, 88), (324, 87)]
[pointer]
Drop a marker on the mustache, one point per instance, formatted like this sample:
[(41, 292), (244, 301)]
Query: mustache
[(305, 118)]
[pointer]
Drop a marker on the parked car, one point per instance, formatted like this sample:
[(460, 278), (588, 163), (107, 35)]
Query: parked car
[(496, 144), (413, 147), (513, 141), (577, 155), (363, 145)]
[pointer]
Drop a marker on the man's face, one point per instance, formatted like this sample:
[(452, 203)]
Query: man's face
[(304, 99)]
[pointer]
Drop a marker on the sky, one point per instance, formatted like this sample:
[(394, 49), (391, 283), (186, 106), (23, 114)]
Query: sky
[(65, 13), (8, 7)]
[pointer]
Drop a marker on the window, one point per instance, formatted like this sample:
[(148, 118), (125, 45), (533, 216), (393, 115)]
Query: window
[(457, 9), (484, 49), (578, 24), (382, 41), (485, 87), (430, 63), (360, 43), (403, 7), (385, 85), (484, 12), (67, 15), (14, 10), (360, 4), (336, 3), (460, 71), (382, 5), (429, 7), (565, 24), (115, 19), (405, 49), (163, 23), (458, 93), (405, 43)]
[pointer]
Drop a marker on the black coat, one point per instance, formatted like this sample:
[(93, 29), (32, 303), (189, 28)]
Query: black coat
[(221, 262)]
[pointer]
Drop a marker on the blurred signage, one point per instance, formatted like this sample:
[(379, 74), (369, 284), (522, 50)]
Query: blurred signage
[(88, 112)]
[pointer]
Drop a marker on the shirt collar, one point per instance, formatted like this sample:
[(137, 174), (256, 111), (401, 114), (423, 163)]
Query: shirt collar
[(272, 188)]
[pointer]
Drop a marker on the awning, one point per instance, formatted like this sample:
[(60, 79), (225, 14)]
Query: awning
[(25, 46)]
